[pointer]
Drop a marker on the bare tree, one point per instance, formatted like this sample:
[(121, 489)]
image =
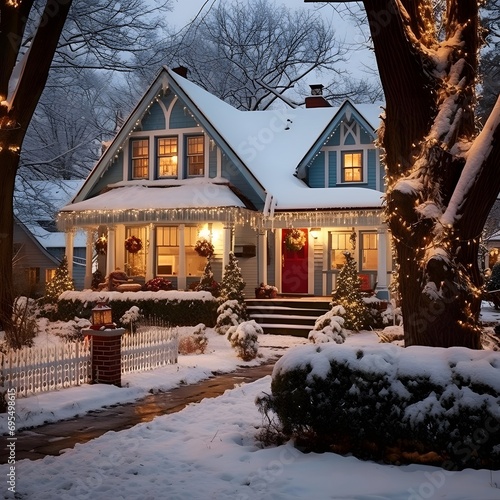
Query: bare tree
[(251, 54), (34, 35)]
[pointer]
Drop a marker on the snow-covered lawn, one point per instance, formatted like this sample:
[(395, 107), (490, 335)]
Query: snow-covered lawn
[(209, 450)]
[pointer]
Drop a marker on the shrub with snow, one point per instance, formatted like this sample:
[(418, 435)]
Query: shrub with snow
[(417, 404), (130, 318), (329, 327), (229, 313), (193, 342), (244, 338)]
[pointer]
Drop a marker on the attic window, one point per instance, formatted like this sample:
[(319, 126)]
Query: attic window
[(195, 155), (140, 159), (352, 166), (167, 157)]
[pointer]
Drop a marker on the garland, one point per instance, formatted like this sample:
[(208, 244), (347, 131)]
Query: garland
[(133, 244), (204, 248), (295, 240), (101, 245)]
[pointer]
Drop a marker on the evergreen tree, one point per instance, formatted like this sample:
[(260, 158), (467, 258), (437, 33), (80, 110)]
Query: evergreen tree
[(232, 282), (60, 282), (207, 282), (348, 295)]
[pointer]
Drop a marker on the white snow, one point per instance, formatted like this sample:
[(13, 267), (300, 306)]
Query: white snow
[(209, 449)]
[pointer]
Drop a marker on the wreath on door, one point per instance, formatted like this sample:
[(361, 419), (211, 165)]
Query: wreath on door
[(295, 240)]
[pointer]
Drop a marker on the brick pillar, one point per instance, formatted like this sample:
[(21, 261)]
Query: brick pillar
[(106, 356)]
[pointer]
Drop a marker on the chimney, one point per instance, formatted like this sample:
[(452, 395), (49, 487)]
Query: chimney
[(316, 99), (181, 70)]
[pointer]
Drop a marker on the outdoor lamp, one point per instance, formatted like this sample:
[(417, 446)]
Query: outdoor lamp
[(102, 317), (314, 232)]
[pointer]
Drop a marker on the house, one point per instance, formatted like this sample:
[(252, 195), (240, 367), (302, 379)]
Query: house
[(38, 245), (186, 165)]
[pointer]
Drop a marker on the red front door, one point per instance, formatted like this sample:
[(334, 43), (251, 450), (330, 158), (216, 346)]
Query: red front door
[(294, 265)]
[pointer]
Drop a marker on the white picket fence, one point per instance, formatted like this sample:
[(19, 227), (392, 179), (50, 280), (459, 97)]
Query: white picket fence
[(33, 370), (148, 348)]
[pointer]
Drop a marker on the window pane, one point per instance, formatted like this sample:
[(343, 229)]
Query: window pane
[(369, 251), (352, 166), (167, 157), (195, 155), (340, 242), (140, 159)]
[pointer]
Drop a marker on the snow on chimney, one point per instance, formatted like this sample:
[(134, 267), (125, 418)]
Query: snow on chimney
[(181, 70), (316, 99)]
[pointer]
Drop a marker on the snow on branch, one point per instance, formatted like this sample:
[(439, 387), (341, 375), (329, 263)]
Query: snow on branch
[(475, 159)]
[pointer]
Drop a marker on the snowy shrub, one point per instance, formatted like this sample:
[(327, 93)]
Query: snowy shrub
[(230, 313), (329, 327), (194, 342), (244, 338), (418, 404), (130, 318), (24, 324), (392, 334), (71, 330)]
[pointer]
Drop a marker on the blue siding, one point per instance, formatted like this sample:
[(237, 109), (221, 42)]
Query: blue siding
[(154, 119), (366, 137), (349, 140), (212, 162), (316, 174), (332, 169), (334, 139), (113, 174), (179, 118), (372, 169)]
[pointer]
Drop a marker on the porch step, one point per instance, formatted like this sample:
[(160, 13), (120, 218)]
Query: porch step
[(287, 315)]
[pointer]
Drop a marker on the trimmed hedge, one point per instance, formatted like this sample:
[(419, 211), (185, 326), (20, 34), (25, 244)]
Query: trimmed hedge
[(175, 308), (419, 404)]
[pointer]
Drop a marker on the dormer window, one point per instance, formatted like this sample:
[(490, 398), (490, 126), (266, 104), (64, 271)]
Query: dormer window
[(167, 157), (195, 156), (140, 159), (352, 166)]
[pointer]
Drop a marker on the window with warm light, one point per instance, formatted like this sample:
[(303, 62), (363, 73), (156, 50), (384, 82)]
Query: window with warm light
[(50, 274), (195, 155), (369, 251), (352, 166), (339, 243), (167, 157), (140, 159)]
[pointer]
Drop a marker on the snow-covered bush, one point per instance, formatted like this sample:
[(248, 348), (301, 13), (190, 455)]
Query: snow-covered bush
[(394, 333), (130, 318), (193, 342), (244, 338), (71, 330), (229, 313), (24, 325), (329, 327), (417, 404)]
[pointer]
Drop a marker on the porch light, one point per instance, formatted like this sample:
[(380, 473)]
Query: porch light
[(102, 318), (315, 232)]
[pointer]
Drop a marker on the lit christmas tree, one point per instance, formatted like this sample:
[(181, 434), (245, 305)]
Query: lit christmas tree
[(348, 295), (207, 282), (232, 282), (494, 281), (60, 283)]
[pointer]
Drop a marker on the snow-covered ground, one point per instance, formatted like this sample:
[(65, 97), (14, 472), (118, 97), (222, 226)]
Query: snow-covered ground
[(209, 449)]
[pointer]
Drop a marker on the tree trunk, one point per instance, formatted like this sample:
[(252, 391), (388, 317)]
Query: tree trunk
[(429, 122)]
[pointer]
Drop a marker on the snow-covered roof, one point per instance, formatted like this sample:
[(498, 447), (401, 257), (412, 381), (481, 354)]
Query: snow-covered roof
[(273, 143), (143, 197)]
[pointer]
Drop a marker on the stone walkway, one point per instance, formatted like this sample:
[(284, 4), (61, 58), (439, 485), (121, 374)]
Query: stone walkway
[(54, 438)]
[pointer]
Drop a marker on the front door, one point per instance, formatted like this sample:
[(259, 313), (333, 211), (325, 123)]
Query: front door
[(294, 252)]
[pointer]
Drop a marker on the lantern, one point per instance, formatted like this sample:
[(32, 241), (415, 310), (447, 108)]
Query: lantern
[(102, 318)]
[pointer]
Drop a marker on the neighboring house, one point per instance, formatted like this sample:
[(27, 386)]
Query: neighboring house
[(186, 165), (38, 203)]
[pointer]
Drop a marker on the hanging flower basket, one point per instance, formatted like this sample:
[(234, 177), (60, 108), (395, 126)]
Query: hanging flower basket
[(204, 248), (133, 244), (295, 240), (101, 245)]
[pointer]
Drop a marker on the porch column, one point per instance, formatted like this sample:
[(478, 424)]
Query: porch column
[(382, 290), (110, 255), (181, 275), (70, 239), (227, 245), (88, 259), (150, 256), (262, 256)]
